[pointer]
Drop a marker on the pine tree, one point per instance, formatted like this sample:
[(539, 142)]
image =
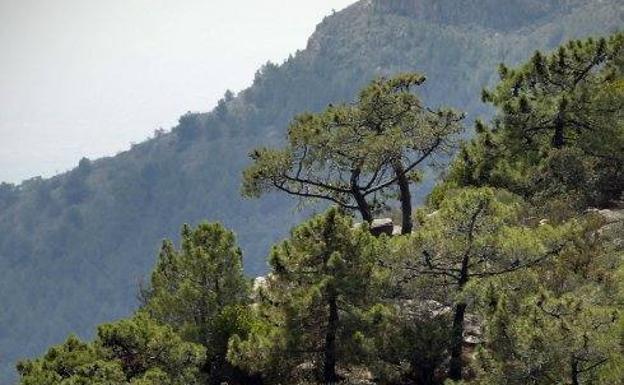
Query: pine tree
[(201, 291), (352, 155), (559, 128), (475, 234), (551, 101), (313, 300)]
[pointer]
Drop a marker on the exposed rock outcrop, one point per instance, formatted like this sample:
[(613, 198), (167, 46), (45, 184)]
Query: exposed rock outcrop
[(381, 226)]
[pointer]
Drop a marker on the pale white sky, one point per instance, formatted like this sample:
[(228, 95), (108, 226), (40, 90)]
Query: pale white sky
[(88, 77)]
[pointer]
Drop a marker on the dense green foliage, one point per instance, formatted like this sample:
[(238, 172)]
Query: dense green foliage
[(560, 321), (73, 247), (493, 285), (559, 129), (475, 234), (136, 351)]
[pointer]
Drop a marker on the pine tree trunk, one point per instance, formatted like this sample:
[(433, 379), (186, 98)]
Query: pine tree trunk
[(363, 207), (558, 140), (424, 375), (406, 199), (360, 200), (456, 365), (457, 342), (329, 364), (575, 372)]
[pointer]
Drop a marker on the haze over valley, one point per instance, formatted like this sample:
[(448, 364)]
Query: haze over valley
[(87, 78)]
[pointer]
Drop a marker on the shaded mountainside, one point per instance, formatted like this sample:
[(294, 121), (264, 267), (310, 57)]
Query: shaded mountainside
[(74, 247)]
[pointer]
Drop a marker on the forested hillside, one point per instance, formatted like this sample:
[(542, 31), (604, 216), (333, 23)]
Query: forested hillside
[(510, 273), (73, 248)]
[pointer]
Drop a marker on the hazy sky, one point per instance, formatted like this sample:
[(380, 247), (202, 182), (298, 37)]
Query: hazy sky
[(88, 77)]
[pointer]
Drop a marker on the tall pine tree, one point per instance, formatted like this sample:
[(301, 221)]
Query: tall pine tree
[(201, 291)]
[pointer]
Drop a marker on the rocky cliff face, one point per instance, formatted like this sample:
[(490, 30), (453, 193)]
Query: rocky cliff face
[(515, 14)]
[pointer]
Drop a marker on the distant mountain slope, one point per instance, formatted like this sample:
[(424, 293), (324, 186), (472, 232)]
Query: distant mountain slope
[(73, 247)]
